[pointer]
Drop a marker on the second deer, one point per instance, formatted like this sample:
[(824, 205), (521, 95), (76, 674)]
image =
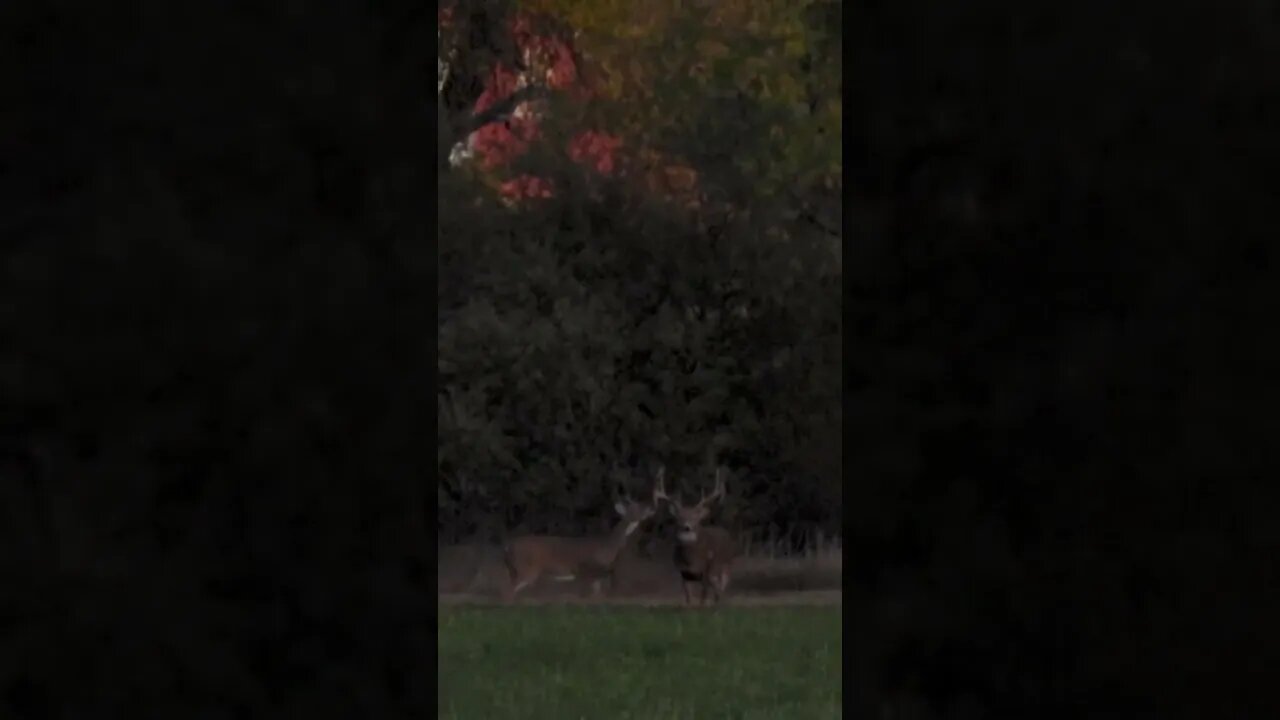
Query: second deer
[(704, 554), (529, 557)]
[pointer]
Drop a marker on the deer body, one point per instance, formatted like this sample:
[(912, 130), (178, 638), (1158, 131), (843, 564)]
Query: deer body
[(530, 557), (704, 554), (706, 560)]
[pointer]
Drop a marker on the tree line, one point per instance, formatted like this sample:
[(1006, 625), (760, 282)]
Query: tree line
[(574, 358), (605, 325)]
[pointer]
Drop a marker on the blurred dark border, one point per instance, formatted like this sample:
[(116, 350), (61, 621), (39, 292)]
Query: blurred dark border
[(215, 293), (1060, 386)]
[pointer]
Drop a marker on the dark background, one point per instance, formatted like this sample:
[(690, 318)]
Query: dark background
[(215, 353), (1061, 385)]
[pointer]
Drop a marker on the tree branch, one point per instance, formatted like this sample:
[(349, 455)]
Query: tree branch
[(501, 110)]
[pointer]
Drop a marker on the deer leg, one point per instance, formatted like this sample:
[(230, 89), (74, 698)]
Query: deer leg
[(724, 581), (684, 585), (518, 578), (703, 598), (513, 587), (719, 581), (509, 589), (519, 583)]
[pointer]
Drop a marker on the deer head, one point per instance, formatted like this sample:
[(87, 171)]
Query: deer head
[(688, 517), (633, 512)]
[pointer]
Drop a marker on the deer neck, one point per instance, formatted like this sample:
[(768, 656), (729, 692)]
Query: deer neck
[(621, 533)]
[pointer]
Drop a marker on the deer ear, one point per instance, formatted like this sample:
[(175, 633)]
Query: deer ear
[(620, 507)]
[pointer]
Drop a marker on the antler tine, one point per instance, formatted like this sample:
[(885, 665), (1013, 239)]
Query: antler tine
[(717, 491), (659, 491)]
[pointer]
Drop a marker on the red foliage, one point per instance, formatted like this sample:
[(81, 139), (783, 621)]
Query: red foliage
[(498, 143), (596, 149), (545, 51), (526, 187)]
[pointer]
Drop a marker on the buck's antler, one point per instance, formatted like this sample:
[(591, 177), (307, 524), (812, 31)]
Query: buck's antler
[(659, 492), (717, 492)]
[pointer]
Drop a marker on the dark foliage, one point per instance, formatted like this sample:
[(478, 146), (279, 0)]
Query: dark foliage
[(587, 341)]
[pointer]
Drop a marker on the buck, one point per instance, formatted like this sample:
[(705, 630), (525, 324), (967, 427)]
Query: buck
[(530, 557), (704, 553)]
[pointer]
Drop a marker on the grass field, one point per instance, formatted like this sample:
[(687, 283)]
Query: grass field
[(609, 662)]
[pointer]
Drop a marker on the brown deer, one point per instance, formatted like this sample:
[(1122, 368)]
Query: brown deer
[(704, 553), (530, 557)]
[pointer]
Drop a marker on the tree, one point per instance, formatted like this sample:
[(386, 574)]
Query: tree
[(741, 99)]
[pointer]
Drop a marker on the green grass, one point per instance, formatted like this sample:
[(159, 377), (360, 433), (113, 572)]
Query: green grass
[(619, 663)]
